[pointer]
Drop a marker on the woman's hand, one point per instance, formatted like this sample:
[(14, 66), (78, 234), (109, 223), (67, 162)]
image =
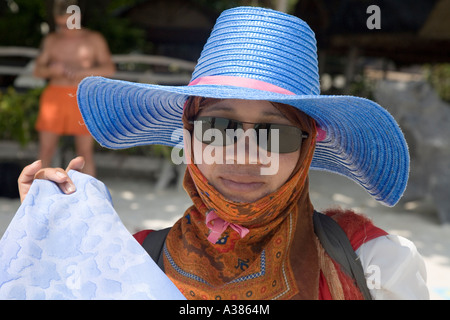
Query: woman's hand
[(57, 175)]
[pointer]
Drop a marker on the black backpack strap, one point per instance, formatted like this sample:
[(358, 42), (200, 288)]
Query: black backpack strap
[(154, 245), (337, 245)]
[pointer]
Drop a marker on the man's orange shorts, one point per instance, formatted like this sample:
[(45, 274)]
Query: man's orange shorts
[(59, 113)]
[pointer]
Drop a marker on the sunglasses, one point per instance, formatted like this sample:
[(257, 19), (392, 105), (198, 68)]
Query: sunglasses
[(289, 137)]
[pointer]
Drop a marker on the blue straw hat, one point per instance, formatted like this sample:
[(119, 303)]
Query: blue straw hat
[(258, 54)]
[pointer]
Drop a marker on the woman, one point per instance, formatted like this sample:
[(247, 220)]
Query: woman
[(250, 232)]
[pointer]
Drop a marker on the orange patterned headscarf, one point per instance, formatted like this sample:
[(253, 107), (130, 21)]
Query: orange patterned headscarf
[(253, 257)]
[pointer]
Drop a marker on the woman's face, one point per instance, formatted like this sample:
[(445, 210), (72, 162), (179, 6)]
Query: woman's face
[(242, 181)]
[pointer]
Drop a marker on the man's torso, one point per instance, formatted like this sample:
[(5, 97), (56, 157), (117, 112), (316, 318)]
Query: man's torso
[(76, 52)]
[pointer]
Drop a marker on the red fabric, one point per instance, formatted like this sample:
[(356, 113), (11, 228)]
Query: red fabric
[(359, 229), (324, 291), (141, 235)]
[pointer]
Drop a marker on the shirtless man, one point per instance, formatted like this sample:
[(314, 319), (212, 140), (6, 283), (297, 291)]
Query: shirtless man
[(68, 56)]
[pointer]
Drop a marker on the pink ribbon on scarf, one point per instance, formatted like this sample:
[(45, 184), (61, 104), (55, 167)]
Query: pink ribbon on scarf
[(217, 226)]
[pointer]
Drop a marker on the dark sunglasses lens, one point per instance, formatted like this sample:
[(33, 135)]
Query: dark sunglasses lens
[(215, 131), (271, 137), (282, 139)]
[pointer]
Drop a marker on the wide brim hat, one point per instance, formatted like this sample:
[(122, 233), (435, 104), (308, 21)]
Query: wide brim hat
[(257, 54)]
